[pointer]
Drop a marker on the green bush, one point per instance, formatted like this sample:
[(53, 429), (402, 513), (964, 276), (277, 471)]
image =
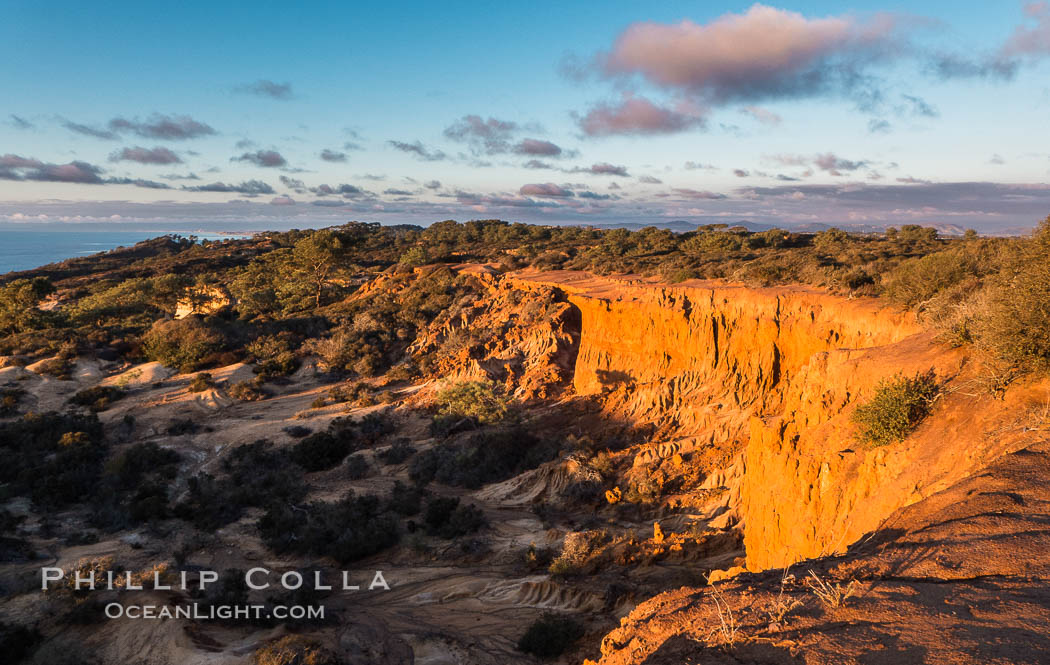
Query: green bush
[(917, 280), (183, 344), (346, 530), (474, 401), (55, 459), (1015, 325), (897, 407), (201, 382), (321, 451), (484, 458), (255, 475), (445, 518), (357, 467), (550, 636)]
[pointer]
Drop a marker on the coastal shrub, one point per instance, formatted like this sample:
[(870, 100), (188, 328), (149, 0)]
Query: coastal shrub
[(9, 400), (201, 382), (486, 457), (1015, 324), (97, 398), (405, 499), (476, 402), (550, 636), (55, 459), (182, 344), (254, 475), (397, 453), (18, 304), (446, 518), (917, 280), (247, 391), (294, 650), (346, 530), (897, 407), (320, 451), (273, 354), (357, 467)]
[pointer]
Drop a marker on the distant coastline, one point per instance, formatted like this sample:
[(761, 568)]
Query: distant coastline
[(26, 248)]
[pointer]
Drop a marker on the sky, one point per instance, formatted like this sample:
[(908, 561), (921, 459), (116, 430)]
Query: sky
[(236, 116)]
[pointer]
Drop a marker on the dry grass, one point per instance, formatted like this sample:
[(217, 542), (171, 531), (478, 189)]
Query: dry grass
[(780, 606), (831, 595), (728, 630)]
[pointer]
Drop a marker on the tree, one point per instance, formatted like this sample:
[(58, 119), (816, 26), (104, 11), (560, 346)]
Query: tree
[(318, 254)]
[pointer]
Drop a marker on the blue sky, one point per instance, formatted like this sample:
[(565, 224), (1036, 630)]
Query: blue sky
[(790, 113)]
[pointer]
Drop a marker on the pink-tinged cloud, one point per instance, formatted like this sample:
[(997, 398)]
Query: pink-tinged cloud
[(146, 156), (762, 53), (547, 189), (537, 147), (835, 165), (282, 201), (603, 168), (1031, 40), (764, 116), (697, 194), (16, 162), (637, 115)]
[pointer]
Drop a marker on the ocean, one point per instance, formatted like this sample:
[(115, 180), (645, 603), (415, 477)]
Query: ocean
[(22, 249)]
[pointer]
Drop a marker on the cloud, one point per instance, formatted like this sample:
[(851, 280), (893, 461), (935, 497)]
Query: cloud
[(537, 164), (697, 194), (146, 156), (263, 158), (419, 150), (1031, 40), (764, 116), (601, 168), (333, 155), (138, 182), (165, 127), (787, 159), (997, 160), (951, 66), (879, 126), (740, 173), (836, 165), (18, 122), (352, 192), (650, 180), (922, 201), (267, 88), (248, 187), (594, 196), (638, 116), (244, 144), (762, 54), (282, 201), (432, 184), (694, 166), (538, 147), (294, 184), (919, 106), (484, 136), (16, 167), (87, 130), (397, 192), (547, 190)]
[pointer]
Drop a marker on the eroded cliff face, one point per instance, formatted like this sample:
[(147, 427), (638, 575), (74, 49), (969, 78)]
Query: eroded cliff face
[(764, 380)]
